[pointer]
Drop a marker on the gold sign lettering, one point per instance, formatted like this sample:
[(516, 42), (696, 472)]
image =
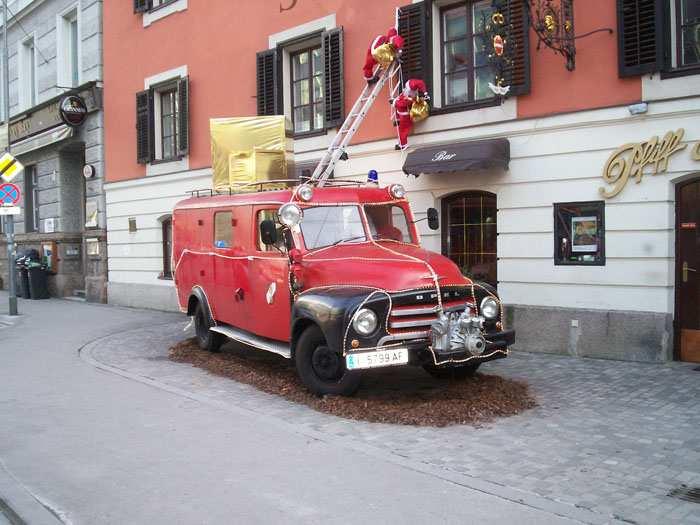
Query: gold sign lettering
[(630, 160), (696, 152)]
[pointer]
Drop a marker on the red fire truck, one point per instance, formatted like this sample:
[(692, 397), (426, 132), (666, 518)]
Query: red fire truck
[(334, 278)]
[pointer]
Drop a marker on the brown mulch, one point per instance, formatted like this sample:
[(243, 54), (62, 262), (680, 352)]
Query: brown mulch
[(401, 395)]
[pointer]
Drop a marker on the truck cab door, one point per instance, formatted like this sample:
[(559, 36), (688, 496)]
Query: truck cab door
[(270, 298)]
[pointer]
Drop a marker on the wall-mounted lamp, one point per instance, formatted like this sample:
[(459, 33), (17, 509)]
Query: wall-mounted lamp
[(638, 109)]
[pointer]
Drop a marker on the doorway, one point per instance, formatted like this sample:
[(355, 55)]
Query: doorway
[(469, 233), (687, 316)]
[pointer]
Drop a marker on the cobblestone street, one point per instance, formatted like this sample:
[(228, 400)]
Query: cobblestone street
[(611, 437)]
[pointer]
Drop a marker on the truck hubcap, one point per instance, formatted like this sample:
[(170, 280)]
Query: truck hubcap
[(327, 364)]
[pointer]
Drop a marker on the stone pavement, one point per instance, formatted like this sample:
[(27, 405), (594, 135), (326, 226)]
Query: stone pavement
[(609, 437), (85, 442)]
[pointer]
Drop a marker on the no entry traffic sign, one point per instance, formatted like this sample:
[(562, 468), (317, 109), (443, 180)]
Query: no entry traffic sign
[(9, 194)]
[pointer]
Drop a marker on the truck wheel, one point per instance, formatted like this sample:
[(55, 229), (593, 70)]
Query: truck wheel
[(321, 369), (452, 372), (206, 339)]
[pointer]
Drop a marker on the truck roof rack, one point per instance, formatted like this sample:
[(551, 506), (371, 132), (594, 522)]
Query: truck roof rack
[(263, 186)]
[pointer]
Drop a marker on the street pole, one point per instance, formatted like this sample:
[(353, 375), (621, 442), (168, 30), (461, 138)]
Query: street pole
[(9, 219)]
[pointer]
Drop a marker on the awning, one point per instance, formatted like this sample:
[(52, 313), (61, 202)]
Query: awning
[(41, 140), (459, 156)]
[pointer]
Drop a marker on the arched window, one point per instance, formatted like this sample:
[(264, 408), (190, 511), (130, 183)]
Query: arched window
[(469, 233)]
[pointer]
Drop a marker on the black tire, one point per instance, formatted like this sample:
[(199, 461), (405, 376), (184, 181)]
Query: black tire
[(206, 339), (322, 370), (452, 371)]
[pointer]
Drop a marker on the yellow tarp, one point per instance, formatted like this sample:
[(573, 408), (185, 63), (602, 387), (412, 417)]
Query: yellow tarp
[(246, 150)]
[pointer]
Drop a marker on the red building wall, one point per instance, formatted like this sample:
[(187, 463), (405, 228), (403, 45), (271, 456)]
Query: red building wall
[(218, 41)]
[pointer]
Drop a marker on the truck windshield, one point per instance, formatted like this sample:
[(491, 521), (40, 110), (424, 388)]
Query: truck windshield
[(388, 222), (327, 225)]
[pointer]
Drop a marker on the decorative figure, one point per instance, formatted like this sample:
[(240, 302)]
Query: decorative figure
[(382, 52), (500, 52), (414, 92)]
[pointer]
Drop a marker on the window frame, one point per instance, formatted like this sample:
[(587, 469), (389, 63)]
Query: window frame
[(156, 123), (673, 43), (600, 254), (471, 103), (160, 115), (163, 3), (167, 242), (31, 195), (310, 80)]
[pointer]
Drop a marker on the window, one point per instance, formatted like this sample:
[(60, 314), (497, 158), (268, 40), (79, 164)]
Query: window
[(162, 122), (143, 6), (307, 90), (27, 74), (687, 33), (302, 79), (167, 134), (74, 57), (68, 49), (388, 222), (271, 215), (469, 234), (167, 228), (466, 72), (31, 199), (326, 225), (579, 233), (223, 229)]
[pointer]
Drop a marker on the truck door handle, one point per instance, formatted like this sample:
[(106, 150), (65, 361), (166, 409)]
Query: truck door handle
[(240, 294), (687, 269)]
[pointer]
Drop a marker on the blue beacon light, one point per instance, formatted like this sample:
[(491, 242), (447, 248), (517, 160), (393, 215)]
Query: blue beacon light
[(373, 177)]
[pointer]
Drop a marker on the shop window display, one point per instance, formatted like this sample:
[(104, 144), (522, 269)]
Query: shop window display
[(579, 233)]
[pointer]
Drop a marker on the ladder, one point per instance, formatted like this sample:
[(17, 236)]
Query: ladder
[(336, 151)]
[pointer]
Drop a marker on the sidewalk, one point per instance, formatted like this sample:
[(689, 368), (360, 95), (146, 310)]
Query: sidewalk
[(610, 436), (94, 443)]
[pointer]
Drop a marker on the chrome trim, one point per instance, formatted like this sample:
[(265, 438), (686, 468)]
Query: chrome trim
[(269, 345), (403, 337), (413, 323), (425, 310)]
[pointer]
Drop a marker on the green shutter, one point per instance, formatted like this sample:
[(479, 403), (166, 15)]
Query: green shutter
[(640, 36), (269, 83), (414, 27), (144, 126), (183, 116), (332, 50)]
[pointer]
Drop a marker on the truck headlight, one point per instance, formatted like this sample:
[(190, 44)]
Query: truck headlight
[(365, 321), (397, 191), (305, 192), (290, 214), (489, 308)]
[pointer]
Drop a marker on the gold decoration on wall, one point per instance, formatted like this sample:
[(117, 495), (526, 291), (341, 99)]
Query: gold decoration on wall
[(696, 152), (630, 160)]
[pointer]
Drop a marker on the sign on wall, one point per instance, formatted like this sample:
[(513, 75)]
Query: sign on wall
[(631, 160)]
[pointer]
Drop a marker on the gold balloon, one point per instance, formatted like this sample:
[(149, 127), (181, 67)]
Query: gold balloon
[(384, 55), (419, 110)]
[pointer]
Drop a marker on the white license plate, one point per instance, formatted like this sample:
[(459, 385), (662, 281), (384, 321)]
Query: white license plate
[(396, 356)]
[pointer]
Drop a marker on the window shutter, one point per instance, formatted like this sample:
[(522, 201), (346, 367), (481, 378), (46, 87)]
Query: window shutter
[(414, 27), (141, 6), (517, 76), (183, 116), (144, 126), (268, 78), (639, 33), (332, 44)]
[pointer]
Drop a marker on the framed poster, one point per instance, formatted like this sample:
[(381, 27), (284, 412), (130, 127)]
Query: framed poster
[(584, 234)]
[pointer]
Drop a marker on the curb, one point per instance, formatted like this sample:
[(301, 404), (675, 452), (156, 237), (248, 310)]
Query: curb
[(554, 507), (20, 506)]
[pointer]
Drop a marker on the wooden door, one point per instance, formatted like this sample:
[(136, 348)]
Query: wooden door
[(687, 271)]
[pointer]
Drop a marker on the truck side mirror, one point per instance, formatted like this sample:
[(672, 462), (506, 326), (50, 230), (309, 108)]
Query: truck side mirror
[(433, 220), (268, 232)]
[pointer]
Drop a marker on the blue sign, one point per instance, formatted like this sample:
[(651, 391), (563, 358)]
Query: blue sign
[(9, 194)]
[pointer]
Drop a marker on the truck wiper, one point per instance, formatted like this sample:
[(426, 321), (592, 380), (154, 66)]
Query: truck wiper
[(357, 237)]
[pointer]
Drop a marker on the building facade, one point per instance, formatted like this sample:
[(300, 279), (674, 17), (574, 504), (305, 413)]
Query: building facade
[(55, 51), (576, 194)]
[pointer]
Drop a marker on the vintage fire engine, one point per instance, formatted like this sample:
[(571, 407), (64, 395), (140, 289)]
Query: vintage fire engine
[(334, 278), (327, 273)]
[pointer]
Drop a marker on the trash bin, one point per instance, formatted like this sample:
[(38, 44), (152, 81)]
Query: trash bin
[(38, 281), (22, 282)]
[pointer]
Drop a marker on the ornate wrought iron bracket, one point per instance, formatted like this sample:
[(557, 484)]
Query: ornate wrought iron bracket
[(553, 23)]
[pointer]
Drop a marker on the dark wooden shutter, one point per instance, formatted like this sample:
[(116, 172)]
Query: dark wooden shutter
[(332, 48), (414, 27), (141, 6), (183, 116), (640, 34), (269, 83), (144, 126), (517, 76)]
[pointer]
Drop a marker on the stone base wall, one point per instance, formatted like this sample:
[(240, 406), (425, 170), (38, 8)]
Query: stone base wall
[(625, 335), (155, 297)]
